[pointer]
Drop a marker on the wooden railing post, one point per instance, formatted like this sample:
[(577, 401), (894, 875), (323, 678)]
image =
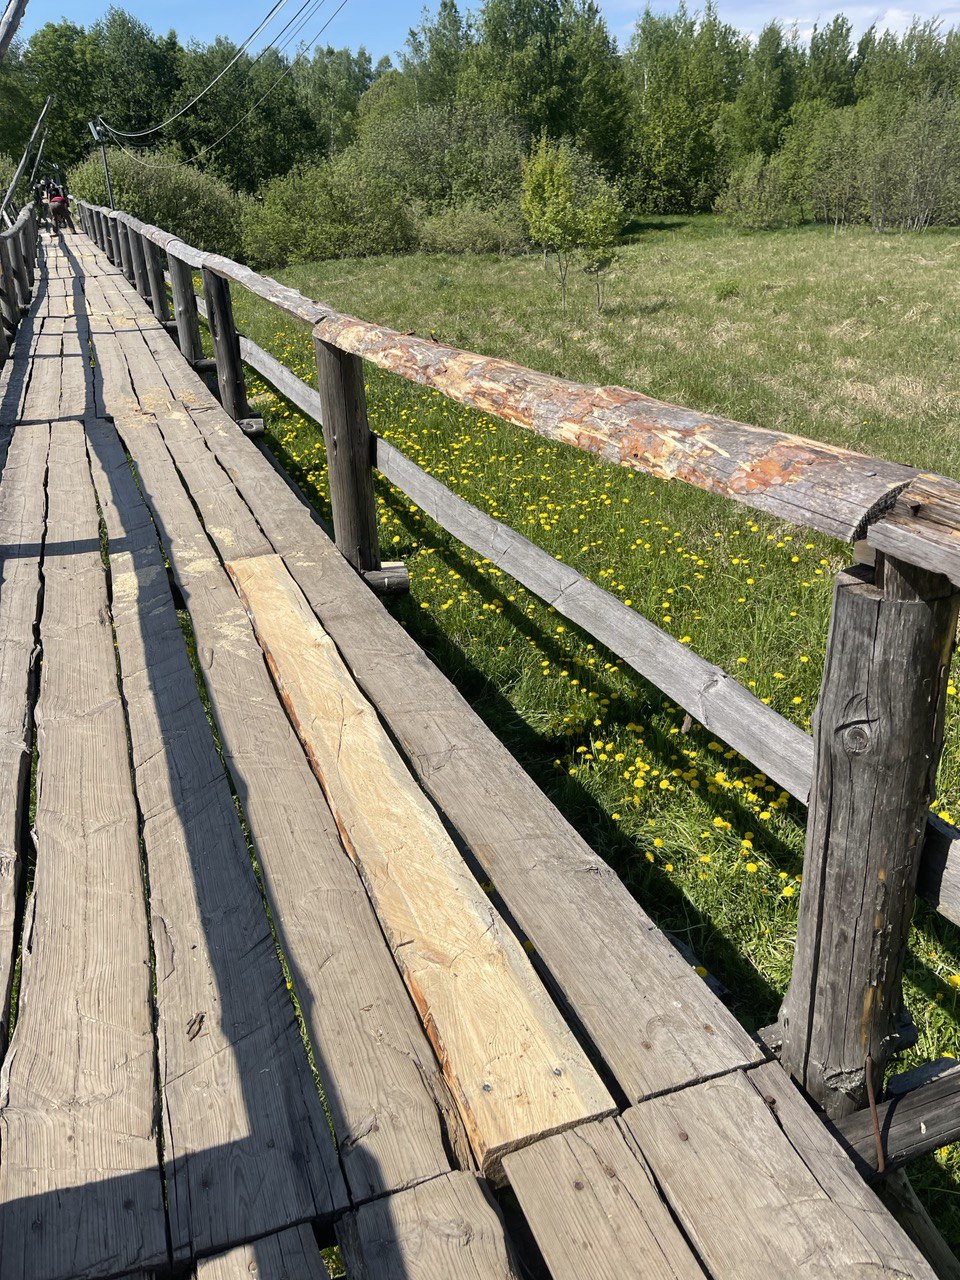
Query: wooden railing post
[(878, 733), (14, 261), (158, 285), (185, 309), (226, 349), (126, 257), (139, 263), (28, 254), (9, 302), (113, 232), (349, 444)]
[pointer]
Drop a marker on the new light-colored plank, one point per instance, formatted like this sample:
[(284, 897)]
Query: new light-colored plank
[(445, 1229), (22, 523), (763, 1189), (595, 1209), (514, 1067), (247, 1145), (80, 1190), (390, 1106), (289, 1255), (656, 1023)]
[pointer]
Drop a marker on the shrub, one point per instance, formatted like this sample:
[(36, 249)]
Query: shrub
[(336, 209), (468, 228), (199, 208), (760, 195)]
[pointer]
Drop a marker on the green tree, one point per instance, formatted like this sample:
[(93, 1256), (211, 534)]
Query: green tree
[(63, 59), (829, 70), (594, 86), (757, 116), (435, 54), (331, 84)]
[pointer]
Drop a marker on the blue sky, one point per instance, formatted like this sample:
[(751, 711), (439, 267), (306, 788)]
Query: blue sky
[(382, 25)]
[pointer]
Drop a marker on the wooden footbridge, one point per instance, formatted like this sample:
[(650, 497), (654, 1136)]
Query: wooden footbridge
[(292, 951)]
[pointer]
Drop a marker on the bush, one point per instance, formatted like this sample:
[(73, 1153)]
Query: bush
[(468, 228), (336, 209), (760, 195), (199, 208)]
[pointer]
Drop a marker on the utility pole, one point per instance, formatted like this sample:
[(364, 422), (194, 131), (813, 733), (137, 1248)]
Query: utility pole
[(98, 137), (12, 16)]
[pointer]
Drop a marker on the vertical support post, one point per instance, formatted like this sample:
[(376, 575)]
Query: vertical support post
[(346, 434), (185, 309), (226, 346), (113, 230), (878, 733), (139, 263), (28, 254), (9, 304), (158, 285), (126, 260), (19, 271)]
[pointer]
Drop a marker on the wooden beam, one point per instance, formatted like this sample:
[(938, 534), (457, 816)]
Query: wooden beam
[(445, 1229), (595, 1209), (878, 735), (80, 1188), (515, 1070), (762, 1188), (289, 1255), (911, 1124)]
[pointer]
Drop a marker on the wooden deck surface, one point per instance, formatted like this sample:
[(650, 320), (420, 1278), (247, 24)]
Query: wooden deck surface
[(258, 1002)]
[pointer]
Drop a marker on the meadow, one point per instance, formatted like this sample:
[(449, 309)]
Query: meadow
[(850, 338)]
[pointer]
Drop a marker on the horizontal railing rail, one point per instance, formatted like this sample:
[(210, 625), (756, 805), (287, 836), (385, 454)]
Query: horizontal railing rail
[(867, 773)]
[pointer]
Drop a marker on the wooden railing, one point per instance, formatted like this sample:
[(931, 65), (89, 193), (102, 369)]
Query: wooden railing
[(18, 259), (868, 772)]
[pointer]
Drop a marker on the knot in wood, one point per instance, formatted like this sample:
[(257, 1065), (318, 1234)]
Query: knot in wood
[(856, 739)]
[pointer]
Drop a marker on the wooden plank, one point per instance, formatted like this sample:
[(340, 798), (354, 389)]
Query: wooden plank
[(22, 524), (514, 1068), (911, 1124), (878, 735), (80, 1189), (289, 1255), (391, 1110), (247, 1143), (923, 526), (762, 1188), (445, 1229), (655, 1022), (719, 702), (595, 1209)]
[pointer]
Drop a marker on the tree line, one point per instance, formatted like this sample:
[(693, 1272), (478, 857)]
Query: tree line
[(431, 150)]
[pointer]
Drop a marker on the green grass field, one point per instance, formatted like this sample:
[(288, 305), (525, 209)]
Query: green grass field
[(849, 338)]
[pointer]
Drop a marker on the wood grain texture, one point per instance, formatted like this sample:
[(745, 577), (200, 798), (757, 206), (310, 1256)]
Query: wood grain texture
[(595, 1209), (246, 1142), (763, 1189), (289, 1255), (513, 1066), (911, 1124), (923, 526), (878, 730), (445, 1229), (22, 525), (654, 1020), (390, 1107), (80, 1189), (804, 481)]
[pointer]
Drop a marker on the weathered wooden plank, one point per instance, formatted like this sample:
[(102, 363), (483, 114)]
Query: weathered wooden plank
[(878, 734), (595, 1209), (719, 702), (911, 1124), (247, 1144), (923, 527), (902, 1201), (445, 1229), (80, 1189), (762, 1188), (656, 1023), (514, 1068), (289, 1255), (390, 1107), (22, 524)]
